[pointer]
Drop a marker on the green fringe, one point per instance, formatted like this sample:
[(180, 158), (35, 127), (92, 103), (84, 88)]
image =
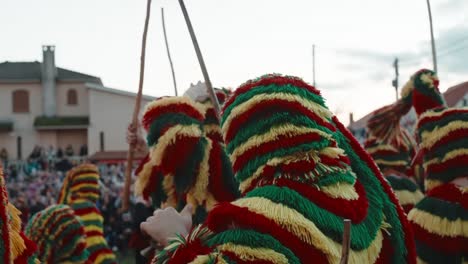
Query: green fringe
[(433, 256), (259, 127), (166, 120), (441, 151), (431, 126), (376, 194), (273, 89), (399, 184), (252, 239), (362, 234), (441, 208)]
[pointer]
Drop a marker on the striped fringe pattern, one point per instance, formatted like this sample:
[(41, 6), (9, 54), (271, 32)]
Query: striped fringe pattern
[(183, 165), (80, 182), (80, 191), (406, 191), (59, 235), (99, 251), (444, 143), (15, 247), (440, 224), (211, 124), (301, 174)]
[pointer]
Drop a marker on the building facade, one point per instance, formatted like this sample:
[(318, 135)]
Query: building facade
[(44, 105)]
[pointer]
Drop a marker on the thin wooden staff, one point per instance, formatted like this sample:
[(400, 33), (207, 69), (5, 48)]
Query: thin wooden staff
[(346, 241), (209, 87), (168, 52), (130, 154)]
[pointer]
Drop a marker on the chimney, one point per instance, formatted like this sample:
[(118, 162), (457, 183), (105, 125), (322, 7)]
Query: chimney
[(351, 118), (49, 75)]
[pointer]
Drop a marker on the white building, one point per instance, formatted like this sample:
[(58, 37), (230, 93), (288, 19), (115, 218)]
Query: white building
[(41, 104)]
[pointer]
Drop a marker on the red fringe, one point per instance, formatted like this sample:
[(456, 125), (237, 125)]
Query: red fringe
[(216, 185), (459, 161), (142, 164), (445, 244), (177, 154), (278, 80), (422, 102), (410, 246), (85, 211), (215, 136), (450, 193), (225, 215), (283, 141), (407, 207), (386, 252), (187, 253), (272, 105), (151, 185), (180, 107), (94, 255)]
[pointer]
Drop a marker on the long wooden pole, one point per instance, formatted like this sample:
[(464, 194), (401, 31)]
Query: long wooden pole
[(346, 241), (168, 52), (434, 55), (211, 91), (136, 110)]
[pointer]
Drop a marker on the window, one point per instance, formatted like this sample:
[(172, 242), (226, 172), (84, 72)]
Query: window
[(21, 101), (72, 97)]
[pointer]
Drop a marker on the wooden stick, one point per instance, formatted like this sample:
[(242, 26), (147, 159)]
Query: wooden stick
[(211, 91), (130, 154), (168, 52), (346, 241)]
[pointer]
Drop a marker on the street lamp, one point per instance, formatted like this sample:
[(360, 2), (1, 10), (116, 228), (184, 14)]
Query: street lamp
[(434, 59)]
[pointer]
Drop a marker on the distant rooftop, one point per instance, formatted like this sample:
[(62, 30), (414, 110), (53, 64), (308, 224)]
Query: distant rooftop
[(31, 71)]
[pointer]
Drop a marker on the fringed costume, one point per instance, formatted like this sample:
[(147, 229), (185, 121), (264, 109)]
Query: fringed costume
[(439, 220), (393, 149), (59, 235), (184, 165), (80, 191), (301, 174), (15, 247)]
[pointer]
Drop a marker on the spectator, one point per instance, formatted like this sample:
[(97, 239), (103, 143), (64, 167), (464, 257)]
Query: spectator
[(4, 157), (69, 151), (59, 153), (84, 151)]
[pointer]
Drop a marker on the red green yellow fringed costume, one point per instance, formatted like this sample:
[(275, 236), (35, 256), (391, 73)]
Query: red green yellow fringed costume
[(301, 173), (393, 152), (80, 191), (59, 235), (184, 165), (440, 220), (211, 124), (15, 247)]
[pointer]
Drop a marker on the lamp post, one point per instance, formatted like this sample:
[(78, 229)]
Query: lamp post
[(434, 56)]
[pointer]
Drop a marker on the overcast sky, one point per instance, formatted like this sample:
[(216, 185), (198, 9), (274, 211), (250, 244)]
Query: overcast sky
[(356, 42)]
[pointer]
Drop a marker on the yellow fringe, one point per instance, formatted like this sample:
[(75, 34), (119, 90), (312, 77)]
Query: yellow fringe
[(92, 217), (391, 163), (143, 178), (16, 241), (272, 135), (381, 147), (200, 189), (307, 231), (201, 259), (321, 111), (251, 254), (448, 156), (429, 138), (438, 225), (431, 184), (420, 261), (173, 100), (429, 79), (406, 197), (101, 258), (169, 138), (341, 190)]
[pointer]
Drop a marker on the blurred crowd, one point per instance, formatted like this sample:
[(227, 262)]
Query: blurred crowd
[(35, 184)]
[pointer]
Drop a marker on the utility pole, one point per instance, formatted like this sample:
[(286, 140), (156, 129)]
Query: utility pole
[(434, 55), (395, 81), (313, 64)]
